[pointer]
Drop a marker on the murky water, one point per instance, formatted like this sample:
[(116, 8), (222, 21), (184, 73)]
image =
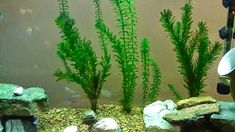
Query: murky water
[(28, 38)]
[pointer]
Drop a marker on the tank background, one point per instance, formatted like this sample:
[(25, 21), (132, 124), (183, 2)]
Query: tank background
[(28, 38)]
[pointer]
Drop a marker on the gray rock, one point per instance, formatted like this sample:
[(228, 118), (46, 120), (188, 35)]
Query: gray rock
[(106, 125), (153, 114), (89, 117), (192, 114), (225, 119), (31, 103)]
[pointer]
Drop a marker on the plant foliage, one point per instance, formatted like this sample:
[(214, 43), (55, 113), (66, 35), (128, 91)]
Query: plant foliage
[(149, 93), (194, 51), (177, 96), (79, 59), (124, 45)]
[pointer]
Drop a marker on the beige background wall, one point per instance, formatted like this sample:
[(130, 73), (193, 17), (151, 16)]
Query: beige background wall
[(28, 38)]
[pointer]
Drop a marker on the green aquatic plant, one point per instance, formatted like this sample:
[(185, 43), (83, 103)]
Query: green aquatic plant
[(125, 46), (149, 93), (194, 51), (80, 62), (175, 93)]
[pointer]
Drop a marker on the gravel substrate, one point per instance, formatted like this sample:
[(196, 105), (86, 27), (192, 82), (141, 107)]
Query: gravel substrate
[(56, 119)]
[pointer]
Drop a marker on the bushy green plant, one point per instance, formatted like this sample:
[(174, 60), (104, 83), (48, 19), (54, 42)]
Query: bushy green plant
[(124, 45), (80, 62), (149, 93), (194, 51)]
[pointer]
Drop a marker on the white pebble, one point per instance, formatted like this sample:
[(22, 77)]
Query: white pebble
[(18, 91), (71, 129)]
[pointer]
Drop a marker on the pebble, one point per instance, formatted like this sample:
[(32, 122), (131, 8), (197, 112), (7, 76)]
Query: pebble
[(71, 129), (18, 91)]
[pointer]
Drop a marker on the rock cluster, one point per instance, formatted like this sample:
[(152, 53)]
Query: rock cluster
[(103, 125), (199, 114)]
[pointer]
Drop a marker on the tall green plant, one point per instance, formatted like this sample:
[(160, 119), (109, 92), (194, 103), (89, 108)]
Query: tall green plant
[(194, 51), (124, 45), (149, 93), (79, 60), (174, 92)]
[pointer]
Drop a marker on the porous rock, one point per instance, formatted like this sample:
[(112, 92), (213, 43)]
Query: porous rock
[(153, 114), (194, 101), (225, 119), (32, 102), (106, 125)]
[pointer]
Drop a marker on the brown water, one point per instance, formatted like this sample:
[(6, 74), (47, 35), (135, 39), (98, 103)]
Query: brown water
[(28, 38)]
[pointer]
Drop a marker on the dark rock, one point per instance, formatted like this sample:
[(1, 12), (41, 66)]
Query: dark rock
[(225, 119), (31, 103), (194, 101), (89, 117)]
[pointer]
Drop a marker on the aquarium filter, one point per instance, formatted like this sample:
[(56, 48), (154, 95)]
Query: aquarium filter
[(226, 32), (227, 63), (227, 73)]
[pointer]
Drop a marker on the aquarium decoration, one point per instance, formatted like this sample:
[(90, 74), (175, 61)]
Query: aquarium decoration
[(80, 61), (194, 51), (149, 92)]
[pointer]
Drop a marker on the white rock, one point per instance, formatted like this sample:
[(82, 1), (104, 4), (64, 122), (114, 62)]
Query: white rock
[(153, 115), (170, 104), (106, 125), (18, 91), (71, 129), (158, 104)]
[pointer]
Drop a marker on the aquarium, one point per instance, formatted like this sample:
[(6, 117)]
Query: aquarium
[(93, 59)]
